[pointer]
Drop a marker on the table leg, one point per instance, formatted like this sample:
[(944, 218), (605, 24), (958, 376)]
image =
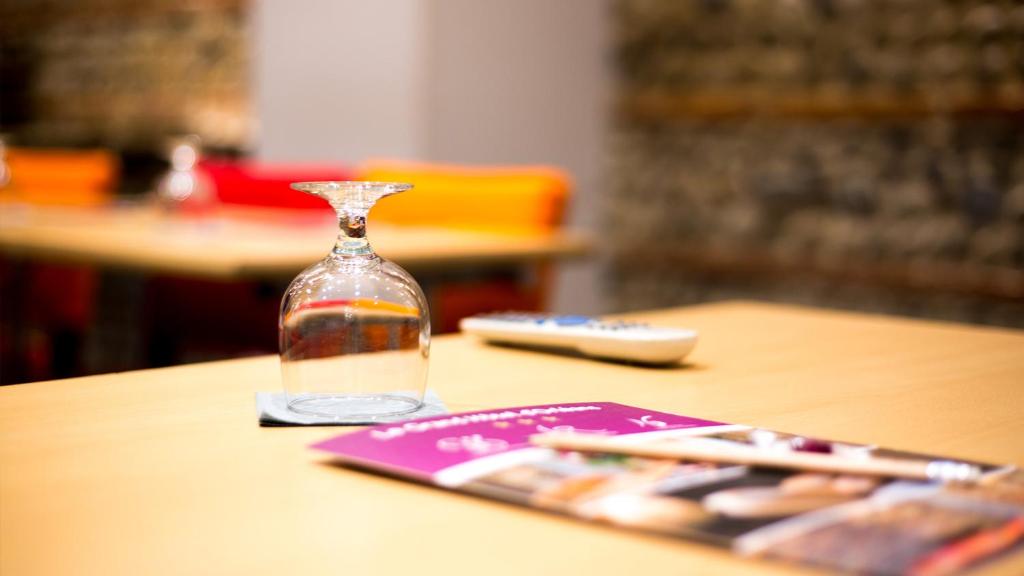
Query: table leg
[(13, 321), (115, 342)]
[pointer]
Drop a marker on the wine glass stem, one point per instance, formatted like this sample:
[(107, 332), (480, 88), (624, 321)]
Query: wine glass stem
[(352, 238)]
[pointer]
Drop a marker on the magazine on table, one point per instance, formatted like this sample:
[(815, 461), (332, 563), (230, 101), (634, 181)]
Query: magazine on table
[(866, 523)]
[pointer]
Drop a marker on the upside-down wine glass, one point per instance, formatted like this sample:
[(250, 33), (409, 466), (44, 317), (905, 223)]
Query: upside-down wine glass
[(354, 328)]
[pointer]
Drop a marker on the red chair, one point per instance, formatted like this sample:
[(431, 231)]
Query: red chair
[(249, 183)]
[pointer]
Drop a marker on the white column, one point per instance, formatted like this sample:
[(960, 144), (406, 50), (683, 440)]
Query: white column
[(339, 80), (526, 81)]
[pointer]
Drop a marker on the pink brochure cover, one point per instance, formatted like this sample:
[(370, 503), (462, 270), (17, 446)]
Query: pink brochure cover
[(424, 448)]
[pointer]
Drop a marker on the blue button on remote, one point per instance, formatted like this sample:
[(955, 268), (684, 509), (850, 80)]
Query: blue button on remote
[(571, 320)]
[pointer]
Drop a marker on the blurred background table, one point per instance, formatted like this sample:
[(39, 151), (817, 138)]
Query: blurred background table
[(250, 243), (183, 288), (166, 471)]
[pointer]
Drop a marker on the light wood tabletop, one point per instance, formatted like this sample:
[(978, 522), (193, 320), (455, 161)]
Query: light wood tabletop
[(166, 471), (250, 243)]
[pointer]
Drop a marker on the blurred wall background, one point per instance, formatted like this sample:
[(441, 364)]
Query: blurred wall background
[(123, 73), (847, 153), (126, 75), (866, 155)]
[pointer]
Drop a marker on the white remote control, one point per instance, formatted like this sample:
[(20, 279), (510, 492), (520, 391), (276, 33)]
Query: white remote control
[(617, 340)]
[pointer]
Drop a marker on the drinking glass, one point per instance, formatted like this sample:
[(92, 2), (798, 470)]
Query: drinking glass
[(354, 328), (184, 187)]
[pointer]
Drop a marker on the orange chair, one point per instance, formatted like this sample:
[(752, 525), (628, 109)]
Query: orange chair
[(529, 198), (61, 176), (56, 301), (252, 183), (496, 198)]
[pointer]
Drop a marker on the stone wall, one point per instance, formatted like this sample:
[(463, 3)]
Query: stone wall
[(864, 155), (124, 74)]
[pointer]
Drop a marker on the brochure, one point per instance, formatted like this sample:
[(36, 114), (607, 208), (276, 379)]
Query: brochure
[(851, 523)]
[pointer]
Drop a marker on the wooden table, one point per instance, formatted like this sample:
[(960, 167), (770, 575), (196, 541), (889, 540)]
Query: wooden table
[(166, 472), (249, 243)]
